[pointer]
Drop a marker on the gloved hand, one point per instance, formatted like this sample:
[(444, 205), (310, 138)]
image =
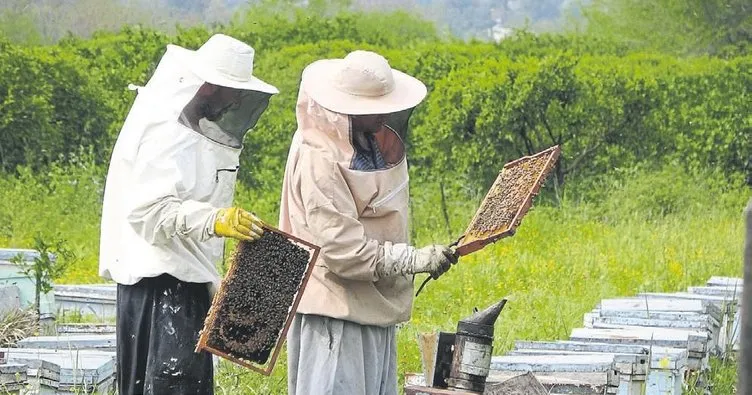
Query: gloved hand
[(237, 223), (433, 259), (401, 259)]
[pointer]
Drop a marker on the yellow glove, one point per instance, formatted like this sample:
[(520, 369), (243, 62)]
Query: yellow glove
[(237, 223)]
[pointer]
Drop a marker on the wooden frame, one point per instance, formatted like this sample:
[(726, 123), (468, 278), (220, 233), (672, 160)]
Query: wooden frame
[(468, 243), (218, 297)]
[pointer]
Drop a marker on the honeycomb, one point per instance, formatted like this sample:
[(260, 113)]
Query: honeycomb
[(254, 301), (510, 195)]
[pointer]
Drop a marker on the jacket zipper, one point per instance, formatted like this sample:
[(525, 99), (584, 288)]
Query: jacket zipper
[(231, 170), (391, 194)]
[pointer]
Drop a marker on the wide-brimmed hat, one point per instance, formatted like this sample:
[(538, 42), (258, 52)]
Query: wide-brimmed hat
[(225, 61), (361, 83)]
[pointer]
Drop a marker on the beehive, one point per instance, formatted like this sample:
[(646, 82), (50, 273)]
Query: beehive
[(256, 301), (508, 200)]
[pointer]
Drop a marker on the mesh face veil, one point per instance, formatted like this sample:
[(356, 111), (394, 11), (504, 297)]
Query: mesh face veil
[(226, 114)]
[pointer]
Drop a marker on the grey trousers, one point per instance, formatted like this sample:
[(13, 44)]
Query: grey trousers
[(327, 356)]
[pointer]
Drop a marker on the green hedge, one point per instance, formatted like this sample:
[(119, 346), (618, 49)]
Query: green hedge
[(49, 107), (607, 112), (608, 106)]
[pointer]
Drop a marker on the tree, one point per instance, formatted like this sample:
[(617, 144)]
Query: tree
[(53, 259)]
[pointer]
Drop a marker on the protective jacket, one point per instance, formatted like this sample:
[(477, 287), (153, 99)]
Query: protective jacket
[(357, 217), (164, 186)]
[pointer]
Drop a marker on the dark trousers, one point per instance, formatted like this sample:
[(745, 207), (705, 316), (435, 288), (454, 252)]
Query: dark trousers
[(158, 322)]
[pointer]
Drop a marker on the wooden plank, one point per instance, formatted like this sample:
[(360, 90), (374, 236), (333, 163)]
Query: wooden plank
[(694, 342), (617, 357), (731, 293), (524, 384), (80, 299), (12, 374), (8, 254), (76, 342), (664, 337), (567, 345), (558, 363), (705, 323), (42, 369), (75, 366), (94, 291), (659, 357), (12, 389), (563, 383), (700, 341), (90, 329), (12, 368), (725, 281), (726, 309), (608, 370), (663, 357), (428, 344), (647, 305), (420, 390), (659, 315), (716, 300)]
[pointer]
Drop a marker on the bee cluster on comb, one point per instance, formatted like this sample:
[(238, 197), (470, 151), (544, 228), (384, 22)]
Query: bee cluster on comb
[(252, 310), (507, 195), (508, 199)]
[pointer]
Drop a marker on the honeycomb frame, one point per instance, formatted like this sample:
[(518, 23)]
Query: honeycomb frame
[(218, 303), (472, 241)]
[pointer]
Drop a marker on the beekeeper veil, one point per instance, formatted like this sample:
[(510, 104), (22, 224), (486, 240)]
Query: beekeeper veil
[(211, 90), (366, 101)]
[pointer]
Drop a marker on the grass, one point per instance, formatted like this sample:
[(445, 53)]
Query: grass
[(76, 317), (564, 259), (648, 231)]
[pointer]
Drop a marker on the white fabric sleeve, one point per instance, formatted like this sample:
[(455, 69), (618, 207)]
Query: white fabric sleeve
[(163, 178), (397, 261)]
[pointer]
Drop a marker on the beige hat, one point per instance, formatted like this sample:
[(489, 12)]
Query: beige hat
[(361, 83), (225, 61)]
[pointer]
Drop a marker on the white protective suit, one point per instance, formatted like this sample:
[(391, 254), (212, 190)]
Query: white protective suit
[(165, 185)]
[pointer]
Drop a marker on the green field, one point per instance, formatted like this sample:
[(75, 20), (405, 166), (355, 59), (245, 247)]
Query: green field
[(646, 231), (653, 231)]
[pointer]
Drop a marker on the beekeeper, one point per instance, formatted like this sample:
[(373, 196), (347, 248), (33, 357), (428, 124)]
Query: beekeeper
[(168, 207), (346, 190)]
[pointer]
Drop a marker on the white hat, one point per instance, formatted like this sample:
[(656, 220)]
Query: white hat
[(361, 83), (226, 61)]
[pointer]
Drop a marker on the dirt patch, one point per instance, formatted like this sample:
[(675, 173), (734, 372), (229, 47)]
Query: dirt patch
[(257, 297), (507, 195)]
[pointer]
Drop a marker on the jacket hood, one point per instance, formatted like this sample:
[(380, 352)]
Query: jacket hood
[(161, 100), (331, 133), (323, 130)]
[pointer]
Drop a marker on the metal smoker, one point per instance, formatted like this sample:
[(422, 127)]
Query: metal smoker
[(462, 360)]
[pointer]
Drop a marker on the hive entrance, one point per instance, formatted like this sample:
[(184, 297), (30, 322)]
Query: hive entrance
[(252, 310)]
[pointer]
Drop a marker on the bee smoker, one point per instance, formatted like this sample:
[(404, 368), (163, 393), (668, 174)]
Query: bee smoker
[(462, 360), (473, 347)]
